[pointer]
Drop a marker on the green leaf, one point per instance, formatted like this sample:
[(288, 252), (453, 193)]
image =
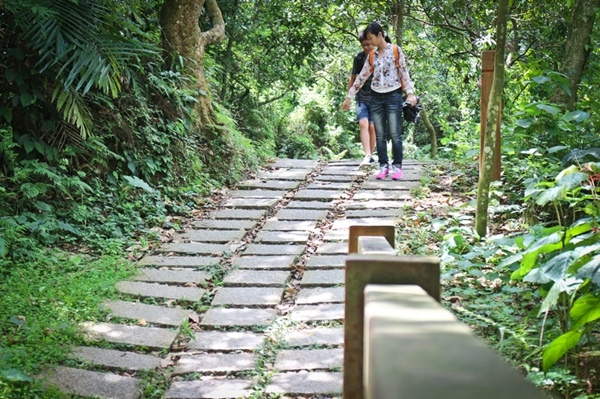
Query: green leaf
[(14, 375), (552, 194), (591, 270), (585, 310), (557, 348), (3, 248), (541, 79), (26, 99), (577, 116), (549, 109), (139, 183), (524, 123)]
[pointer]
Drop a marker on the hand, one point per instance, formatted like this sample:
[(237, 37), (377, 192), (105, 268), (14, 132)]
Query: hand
[(345, 105), (411, 99)]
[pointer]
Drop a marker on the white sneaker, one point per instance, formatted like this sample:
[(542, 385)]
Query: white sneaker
[(367, 161)]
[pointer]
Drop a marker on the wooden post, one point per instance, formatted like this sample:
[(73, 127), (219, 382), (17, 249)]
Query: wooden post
[(487, 78)]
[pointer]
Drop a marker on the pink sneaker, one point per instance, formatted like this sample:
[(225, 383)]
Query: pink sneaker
[(383, 172), (396, 173)]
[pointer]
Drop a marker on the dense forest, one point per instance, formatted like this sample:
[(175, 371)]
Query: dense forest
[(119, 118)]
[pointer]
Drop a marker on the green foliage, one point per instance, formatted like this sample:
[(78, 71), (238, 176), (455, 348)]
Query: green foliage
[(44, 300)]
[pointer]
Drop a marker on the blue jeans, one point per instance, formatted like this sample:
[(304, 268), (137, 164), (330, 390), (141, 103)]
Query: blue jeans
[(386, 110)]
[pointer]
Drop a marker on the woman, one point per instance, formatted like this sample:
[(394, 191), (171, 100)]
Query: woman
[(386, 97)]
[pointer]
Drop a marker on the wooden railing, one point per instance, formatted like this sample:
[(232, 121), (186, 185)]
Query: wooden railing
[(400, 343)]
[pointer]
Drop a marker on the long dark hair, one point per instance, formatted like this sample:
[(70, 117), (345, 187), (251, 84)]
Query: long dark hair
[(375, 29)]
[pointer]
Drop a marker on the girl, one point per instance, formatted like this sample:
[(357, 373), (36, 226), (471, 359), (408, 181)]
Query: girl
[(386, 97)]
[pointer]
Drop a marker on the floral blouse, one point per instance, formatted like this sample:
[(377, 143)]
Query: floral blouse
[(385, 73)]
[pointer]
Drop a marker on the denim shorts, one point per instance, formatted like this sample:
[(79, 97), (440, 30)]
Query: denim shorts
[(363, 112)]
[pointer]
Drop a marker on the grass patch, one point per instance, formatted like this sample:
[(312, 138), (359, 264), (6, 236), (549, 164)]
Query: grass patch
[(43, 301)]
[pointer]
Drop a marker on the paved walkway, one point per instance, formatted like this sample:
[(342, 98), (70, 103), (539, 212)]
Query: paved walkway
[(248, 300)]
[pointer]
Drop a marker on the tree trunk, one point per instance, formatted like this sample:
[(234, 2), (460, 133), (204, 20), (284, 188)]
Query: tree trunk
[(432, 134), (487, 163), (398, 10), (577, 49), (179, 20)]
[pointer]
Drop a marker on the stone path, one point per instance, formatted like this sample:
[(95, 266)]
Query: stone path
[(249, 300)]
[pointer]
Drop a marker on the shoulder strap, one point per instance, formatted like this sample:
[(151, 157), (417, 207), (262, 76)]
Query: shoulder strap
[(397, 56), (371, 55)]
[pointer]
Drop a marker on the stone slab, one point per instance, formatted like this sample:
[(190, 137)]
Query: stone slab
[(150, 337), (267, 249), (250, 296), (342, 178), (295, 163), (179, 261), (319, 194), (309, 205), (301, 214), (277, 194), (323, 277), (329, 185), (341, 170), (269, 184), (336, 235), (194, 248), (329, 312), (326, 262), (311, 296), (214, 363), (375, 213), (315, 336), (357, 205), (332, 248), (382, 195), (282, 237), (116, 359), (225, 341), (212, 236), (244, 278), (346, 223), (223, 224), (150, 313), (210, 389), (408, 176), (160, 290), (224, 317), (314, 359), (232, 213), (93, 383), (261, 203), (388, 185), (285, 174), (305, 383), (289, 225), (172, 276), (284, 262)]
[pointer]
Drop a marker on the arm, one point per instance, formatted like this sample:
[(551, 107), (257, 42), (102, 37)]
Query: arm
[(356, 84), (407, 84)]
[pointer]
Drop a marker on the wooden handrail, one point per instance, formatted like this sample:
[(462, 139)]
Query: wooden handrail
[(399, 342)]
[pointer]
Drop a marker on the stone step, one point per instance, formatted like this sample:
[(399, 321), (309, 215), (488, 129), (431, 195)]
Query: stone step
[(168, 276), (211, 236), (148, 313), (93, 383), (117, 359), (149, 337), (160, 290), (215, 388), (245, 278), (305, 383), (179, 261), (309, 359), (214, 363)]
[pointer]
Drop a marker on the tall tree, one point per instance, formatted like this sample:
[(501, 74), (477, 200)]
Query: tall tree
[(487, 164), (180, 23), (577, 49)]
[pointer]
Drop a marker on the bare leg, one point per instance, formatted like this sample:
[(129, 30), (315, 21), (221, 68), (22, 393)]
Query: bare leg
[(365, 136), (372, 139)]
